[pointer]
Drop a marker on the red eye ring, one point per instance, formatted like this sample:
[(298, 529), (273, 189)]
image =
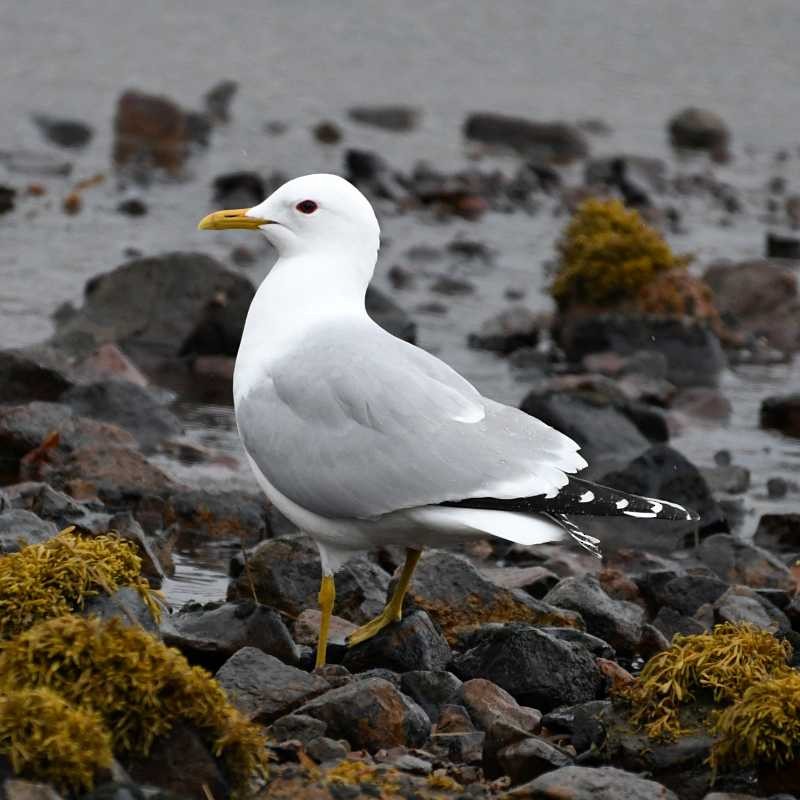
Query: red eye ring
[(306, 206)]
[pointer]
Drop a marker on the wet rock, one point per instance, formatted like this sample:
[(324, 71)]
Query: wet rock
[(370, 714), (150, 131), (508, 331), (590, 783), (759, 298), (548, 142), (307, 625), (218, 99), (263, 687), (608, 439), (631, 175), (390, 316), (24, 377), (536, 668), (412, 644), (155, 566), (736, 605), (466, 598), (68, 133), (180, 762), (530, 758), (585, 723), (700, 129), (739, 562), (536, 581), (238, 190), (432, 689), (286, 574), (779, 532), (732, 479), (593, 644), (300, 727), (211, 634), (134, 408), (782, 414), (19, 528), (126, 605), (369, 172), (7, 196), (232, 515), (617, 622), (686, 593), (777, 488), (782, 246), (396, 118), (693, 352), (671, 622)]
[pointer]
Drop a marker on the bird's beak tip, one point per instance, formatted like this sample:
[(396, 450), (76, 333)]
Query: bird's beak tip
[(231, 218)]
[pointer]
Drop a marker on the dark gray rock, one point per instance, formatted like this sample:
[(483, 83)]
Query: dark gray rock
[(732, 479), (432, 689), (218, 99), (264, 688), (739, 562), (669, 622), (743, 604), (782, 414), (220, 515), (531, 757), (509, 330), (126, 605), (536, 581), (19, 528), (585, 723), (70, 133), (548, 142), (686, 593), (779, 532), (615, 621), (396, 118), (25, 377), (137, 409), (412, 644), (297, 726), (699, 129), (590, 783), (213, 634), (535, 667), (238, 190), (370, 714), (593, 644), (286, 574)]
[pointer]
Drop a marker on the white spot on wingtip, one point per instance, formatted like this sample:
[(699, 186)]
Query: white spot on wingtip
[(656, 506), (622, 504), (640, 514), (586, 497)]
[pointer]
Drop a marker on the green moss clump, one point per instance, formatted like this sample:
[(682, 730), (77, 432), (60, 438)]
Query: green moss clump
[(723, 663), (138, 685), (45, 738), (48, 580), (763, 727), (607, 254)]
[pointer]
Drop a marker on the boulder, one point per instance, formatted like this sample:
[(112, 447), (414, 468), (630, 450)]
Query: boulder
[(396, 118), (221, 515), (779, 532), (264, 688), (531, 757), (782, 414), (509, 330), (592, 644), (699, 129), (548, 142), (299, 727), (19, 528), (617, 622), (25, 377), (126, 605), (536, 668), (742, 604), (584, 723), (671, 622), (69, 133), (370, 714), (432, 689), (686, 593), (738, 562)]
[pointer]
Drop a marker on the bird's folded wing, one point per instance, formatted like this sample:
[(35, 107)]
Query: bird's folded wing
[(356, 423)]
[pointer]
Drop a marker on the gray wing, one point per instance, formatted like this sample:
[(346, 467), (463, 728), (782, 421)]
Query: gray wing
[(356, 423)]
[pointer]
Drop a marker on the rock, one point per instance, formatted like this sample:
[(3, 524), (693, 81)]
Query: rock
[(390, 316), (297, 726), (511, 329), (30, 162), (286, 574), (777, 488), (457, 596), (782, 246), (617, 622), (700, 129), (592, 644), (686, 593), (536, 581), (739, 562), (396, 118), (662, 472), (585, 723), (669, 622), (19, 528), (324, 749), (163, 307), (735, 606), (782, 414), (455, 738), (221, 515), (211, 635), (7, 196), (106, 363), (731, 479), (590, 783), (218, 99), (15, 789), (155, 563), (432, 689), (150, 131), (307, 625), (779, 532), (548, 142), (68, 133), (608, 439), (181, 763), (627, 174), (126, 605), (369, 172), (412, 644), (327, 132), (759, 298), (693, 352), (134, 408), (238, 190), (370, 714), (24, 378), (264, 688), (536, 668), (530, 758)]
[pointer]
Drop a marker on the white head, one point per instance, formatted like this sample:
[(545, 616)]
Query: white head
[(314, 214)]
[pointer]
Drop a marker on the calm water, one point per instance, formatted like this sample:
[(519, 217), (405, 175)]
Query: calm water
[(628, 62)]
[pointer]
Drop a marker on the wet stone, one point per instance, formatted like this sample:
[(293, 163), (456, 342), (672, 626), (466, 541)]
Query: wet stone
[(739, 562), (585, 723), (126, 605), (299, 727), (593, 644), (414, 643), (221, 515), (531, 757), (19, 528), (432, 689), (24, 377), (686, 593), (670, 622), (510, 330), (263, 687), (779, 532)]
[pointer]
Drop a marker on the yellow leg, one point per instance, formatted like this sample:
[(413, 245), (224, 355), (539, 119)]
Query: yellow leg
[(327, 595), (393, 612)]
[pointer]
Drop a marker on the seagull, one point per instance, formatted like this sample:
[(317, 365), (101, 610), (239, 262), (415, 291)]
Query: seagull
[(364, 440)]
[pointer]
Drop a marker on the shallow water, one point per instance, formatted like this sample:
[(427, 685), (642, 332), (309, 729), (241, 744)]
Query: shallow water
[(629, 63)]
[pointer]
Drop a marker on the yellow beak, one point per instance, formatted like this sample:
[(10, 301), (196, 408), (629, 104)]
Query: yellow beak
[(233, 218)]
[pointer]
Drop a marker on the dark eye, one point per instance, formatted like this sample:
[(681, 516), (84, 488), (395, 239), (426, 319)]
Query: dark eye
[(306, 206)]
